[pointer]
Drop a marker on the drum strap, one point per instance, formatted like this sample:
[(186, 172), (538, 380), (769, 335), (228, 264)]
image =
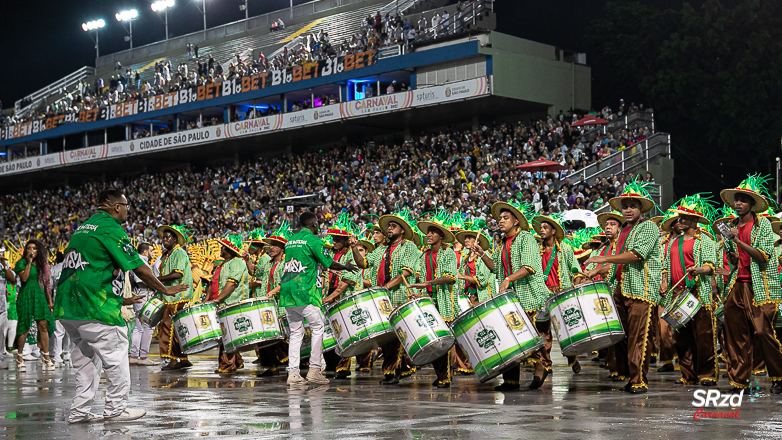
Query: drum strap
[(689, 282), (619, 266), (550, 263)]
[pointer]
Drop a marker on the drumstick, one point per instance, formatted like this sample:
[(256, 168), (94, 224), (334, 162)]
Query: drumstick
[(406, 284), (677, 283)]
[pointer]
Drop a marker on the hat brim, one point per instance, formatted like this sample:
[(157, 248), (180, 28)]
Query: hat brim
[(667, 224), (538, 221), (368, 245), (582, 254), (646, 204), (776, 226), (386, 219), (704, 231), (657, 219), (230, 247), (448, 236), (603, 217), (701, 218), (180, 239), (338, 233), (271, 241), (499, 206), (483, 241), (729, 195)]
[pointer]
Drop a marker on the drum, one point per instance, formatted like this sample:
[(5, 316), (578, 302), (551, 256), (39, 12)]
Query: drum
[(719, 313), (584, 318), (422, 331), (360, 322), (329, 342), (778, 320), (496, 335), (464, 302), (249, 324), (542, 314), (197, 328), (152, 312), (678, 313)]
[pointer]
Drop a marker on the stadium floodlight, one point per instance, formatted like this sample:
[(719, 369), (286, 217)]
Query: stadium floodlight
[(127, 16), (163, 6), (94, 25)]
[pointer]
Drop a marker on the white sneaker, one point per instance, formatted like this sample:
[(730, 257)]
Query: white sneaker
[(128, 415), (29, 357), (91, 418), (146, 363), (315, 376), (66, 356), (294, 378), (133, 361)]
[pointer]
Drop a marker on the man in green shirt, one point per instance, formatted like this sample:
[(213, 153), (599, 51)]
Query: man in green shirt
[(232, 282), (88, 302), (300, 294)]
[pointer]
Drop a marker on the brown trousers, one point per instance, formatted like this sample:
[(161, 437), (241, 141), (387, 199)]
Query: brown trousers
[(228, 363), (395, 361), (364, 361), (513, 375), (632, 354), (544, 330), (667, 349), (442, 368), (270, 357), (459, 360), (742, 321), (696, 346), (168, 341), (336, 363)]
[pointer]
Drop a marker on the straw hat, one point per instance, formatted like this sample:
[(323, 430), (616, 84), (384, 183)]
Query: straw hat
[(520, 211), (753, 186), (633, 191)]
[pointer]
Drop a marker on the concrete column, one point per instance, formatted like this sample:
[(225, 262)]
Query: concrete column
[(43, 148), (341, 98), (128, 134), (176, 123), (85, 142), (105, 136), (227, 114)]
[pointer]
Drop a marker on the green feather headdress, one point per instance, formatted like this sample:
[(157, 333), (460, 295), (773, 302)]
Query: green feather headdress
[(256, 235), (754, 186), (697, 205), (233, 242), (281, 234), (344, 226), (635, 190)]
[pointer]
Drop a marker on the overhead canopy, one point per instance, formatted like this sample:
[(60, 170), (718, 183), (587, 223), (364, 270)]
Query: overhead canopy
[(590, 120), (541, 165)]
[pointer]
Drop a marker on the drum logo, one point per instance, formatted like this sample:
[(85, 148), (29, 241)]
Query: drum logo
[(385, 306), (514, 321), (430, 319), (485, 338), (572, 317), (677, 316), (401, 335), (267, 317), (182, 332), (603, 306), (307, 336), (360, 317), (203, 322), (242, 324), (336, 328)]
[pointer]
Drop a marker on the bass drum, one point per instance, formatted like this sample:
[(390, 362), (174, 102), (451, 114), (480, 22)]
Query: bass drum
[(249, 325), (360, 322), (197, 328), (422, 330)]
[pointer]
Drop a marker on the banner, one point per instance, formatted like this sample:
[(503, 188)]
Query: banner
[(83, 154), (310, 116), (231, 87), (451, 92), (253, 126), (166, 141), (380, 104)]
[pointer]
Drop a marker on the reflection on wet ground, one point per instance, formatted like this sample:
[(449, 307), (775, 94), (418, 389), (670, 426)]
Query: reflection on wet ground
[(190, 404)]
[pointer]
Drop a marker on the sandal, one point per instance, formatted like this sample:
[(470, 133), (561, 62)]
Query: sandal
[(20, 367)]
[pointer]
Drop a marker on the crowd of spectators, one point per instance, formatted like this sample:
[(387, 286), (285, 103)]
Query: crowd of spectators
[(454, 169)]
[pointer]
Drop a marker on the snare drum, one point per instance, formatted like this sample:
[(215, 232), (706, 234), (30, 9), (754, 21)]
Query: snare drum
[(360, 322), (249, 324), (329, 342), (422, 331), (464, 303), (542, 315), (778, 320), (678, 313), (584, 318), (719, 313), (152, 312), (197, 328), (496, 334)]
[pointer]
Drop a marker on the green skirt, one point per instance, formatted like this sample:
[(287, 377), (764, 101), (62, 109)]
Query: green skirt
[(31, 306), (11, 298)]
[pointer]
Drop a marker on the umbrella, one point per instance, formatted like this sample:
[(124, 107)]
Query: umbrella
[(589, 120), (588, 217), (541, 165)]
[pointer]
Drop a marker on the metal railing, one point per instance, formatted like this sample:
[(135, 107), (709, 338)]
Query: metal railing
[(43, 93), (226, 30), (619, 124), (457, 23), (632, 158)]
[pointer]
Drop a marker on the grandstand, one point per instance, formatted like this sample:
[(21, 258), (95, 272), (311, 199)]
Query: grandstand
[(461, 77)]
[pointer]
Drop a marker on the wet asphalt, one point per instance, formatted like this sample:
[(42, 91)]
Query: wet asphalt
[(199, 403)]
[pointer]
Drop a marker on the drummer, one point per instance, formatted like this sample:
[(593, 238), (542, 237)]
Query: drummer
[(268, 276), (636, 273), (386, 262), (662, 333), (560, 270), (722, 274), (255, 257), (517, 263), (437, 270), (340, 285), (691, 257), (474, 276), (754, 293), (364, 247), (230, 284), (175, 268)]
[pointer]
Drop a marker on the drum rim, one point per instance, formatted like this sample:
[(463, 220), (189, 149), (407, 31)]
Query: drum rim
[(504, 365), (191, 309), (551, 298), (680, 299), (452, 336), (242, 302), (215, 339), (360, 292), (409, 301), (504, 292)]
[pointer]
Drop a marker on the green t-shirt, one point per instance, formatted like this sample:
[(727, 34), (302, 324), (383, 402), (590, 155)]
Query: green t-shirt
[(88, 289), (301, 284), (178, 261), (235, 271)]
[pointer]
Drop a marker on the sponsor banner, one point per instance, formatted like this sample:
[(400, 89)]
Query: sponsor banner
[(310, 116), (166, 141), (380, 104), (235, 86), (451, 92), (253, 126), (84, 154), (30, 164)]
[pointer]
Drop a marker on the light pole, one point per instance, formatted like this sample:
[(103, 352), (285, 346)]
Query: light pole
[(202, 9), (94, 25), (128, 16), (163, 5)]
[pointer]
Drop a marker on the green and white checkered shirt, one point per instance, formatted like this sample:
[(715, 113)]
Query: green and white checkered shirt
[(704, 253), (524, 252), (765, 279), (346, 258), (405, 256), (641, 280), (446, 295)]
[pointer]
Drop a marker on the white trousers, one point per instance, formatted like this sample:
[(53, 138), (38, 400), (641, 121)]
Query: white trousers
[(314, 317), (10, 332), (98, 346), (60, 342), (3, 326), (142, 335)]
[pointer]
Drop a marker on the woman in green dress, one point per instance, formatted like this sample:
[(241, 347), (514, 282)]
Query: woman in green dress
[(34, 301)]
